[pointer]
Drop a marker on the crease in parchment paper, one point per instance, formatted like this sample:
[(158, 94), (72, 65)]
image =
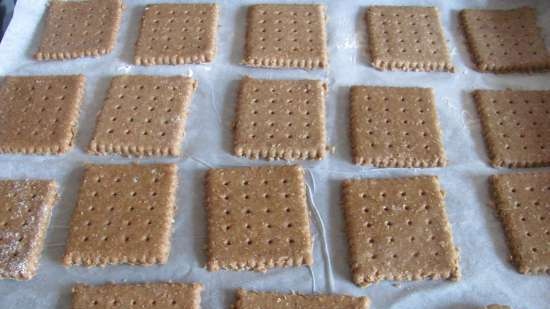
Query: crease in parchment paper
[(312, 179), (199, 161), (55, 245), (313, 280), (212, 104), (322, 235)]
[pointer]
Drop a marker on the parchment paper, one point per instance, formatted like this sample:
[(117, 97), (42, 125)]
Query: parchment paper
[(488, 277)]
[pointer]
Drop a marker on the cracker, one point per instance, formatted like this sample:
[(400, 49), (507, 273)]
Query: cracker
[(280, 119), (502, 41), (76, 29), (408, 38), (161, 295), (39, 114), (257, 218), (25, 211), (124, 215), (522, 201), (261, 300), (496, 307), (395, 127), (398, 230), (143, 115), (286, 36), (515, 126), (177, 34)]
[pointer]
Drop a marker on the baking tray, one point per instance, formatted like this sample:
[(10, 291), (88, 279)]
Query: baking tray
[(487, 275)]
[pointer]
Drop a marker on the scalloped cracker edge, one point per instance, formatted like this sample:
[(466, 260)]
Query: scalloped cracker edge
[(43, 54), (181, 57), (383, 63), (289, 61)]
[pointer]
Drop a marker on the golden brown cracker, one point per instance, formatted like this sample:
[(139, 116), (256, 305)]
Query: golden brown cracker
[(161, 295), (398, 230), (408, 38), (76, 29), (257, 218), (502, 41), (515, 126), (522, 201), (25, 211), (177, 34), (286, 36), (39, 114), (280, 119), (124, 215), (265, 300), (143, 115), (395, 127)]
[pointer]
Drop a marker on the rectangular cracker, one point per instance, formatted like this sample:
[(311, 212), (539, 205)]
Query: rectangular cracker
[(123, 215), (161, 295), (76, 29), (502, 41), (25, 211), (280, 119), (177, 34), (522, 201), (408, 38), (286, 36), (256, 300), (395, 127), (257, 218), (515, 126), (397, 229), (39, 114), (143, 115)]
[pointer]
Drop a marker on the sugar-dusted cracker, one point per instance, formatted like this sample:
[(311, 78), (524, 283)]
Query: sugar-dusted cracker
[(158, 295), (280, 119), (76, 29), (177, 34), (502, 41), (408, 38), (25, 211), (123, 215), (286, 36), (143, 115), (395, 127), (515, 126), (268, 300), (522, 201), (397, 229), (257, 218), (39, 114)]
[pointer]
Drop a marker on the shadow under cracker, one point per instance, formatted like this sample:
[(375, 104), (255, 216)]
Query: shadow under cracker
[(131, 35), (362, 37), (228, 115), (475, 132), (62, 213), (37, 36), (340, 137), (460, 41), (338, 236), (197, 212), (239, 35), (90, 107), (64, 299), (483, 190)]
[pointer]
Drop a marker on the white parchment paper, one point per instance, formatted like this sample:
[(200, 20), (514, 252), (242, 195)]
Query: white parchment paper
[(488, 277)]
